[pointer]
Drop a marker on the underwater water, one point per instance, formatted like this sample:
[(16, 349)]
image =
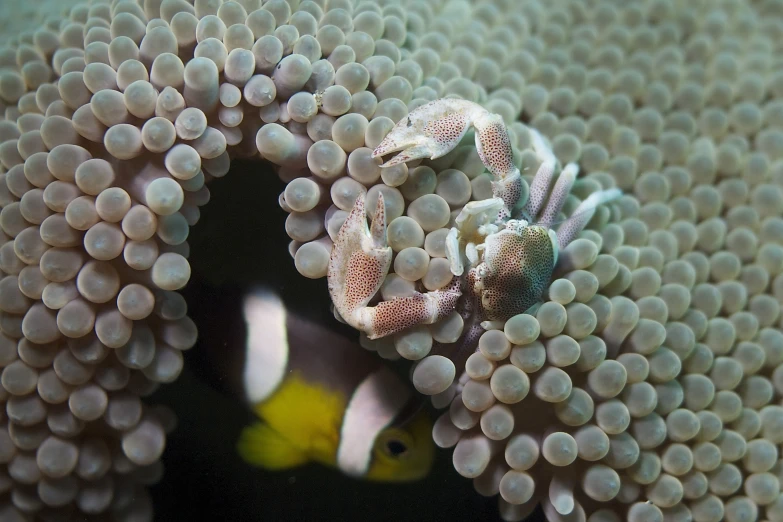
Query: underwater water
[(645, 382), (236, 245)]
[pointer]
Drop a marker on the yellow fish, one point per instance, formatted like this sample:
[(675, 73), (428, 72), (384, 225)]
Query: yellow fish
[(321, 398)]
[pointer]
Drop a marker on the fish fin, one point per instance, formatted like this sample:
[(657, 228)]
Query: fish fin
[(307, 414), (262, 446)]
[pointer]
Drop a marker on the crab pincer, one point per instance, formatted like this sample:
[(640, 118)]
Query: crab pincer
[(429, 131), (359, 263), (436, 128)]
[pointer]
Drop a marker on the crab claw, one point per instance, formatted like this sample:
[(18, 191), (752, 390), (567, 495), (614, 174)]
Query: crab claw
[(429, 131), (358, 265), (359, 262)]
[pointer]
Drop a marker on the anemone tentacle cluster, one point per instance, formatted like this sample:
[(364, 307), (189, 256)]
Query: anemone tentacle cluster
[(646, 387)]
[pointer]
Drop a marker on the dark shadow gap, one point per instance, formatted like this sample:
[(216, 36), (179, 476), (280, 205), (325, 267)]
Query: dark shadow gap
[(240, 241)]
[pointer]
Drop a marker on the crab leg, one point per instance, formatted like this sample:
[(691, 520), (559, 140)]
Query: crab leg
[(358, 265), (571, 227), (558, 196), (539, 188), (539, 191), (494, 149)]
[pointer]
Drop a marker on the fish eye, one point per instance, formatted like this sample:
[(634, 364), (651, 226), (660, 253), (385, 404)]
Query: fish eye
[(394, 445), (395, 448)]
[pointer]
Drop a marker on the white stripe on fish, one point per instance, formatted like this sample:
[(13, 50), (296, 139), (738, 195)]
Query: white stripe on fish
[(376, 402), (266, 346)]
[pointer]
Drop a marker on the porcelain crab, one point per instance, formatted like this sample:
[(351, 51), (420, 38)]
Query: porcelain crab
[(510, 252)]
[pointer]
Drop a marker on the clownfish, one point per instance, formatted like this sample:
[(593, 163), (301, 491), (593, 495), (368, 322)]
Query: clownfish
[(320, 397)]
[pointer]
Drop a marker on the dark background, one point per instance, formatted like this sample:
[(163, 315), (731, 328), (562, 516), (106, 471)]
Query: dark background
[(240, 240)]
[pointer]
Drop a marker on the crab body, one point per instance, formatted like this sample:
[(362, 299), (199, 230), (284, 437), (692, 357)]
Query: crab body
[(515, 271), (501, 264)]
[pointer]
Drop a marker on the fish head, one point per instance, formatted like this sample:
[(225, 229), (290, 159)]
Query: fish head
[(403, 453)]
